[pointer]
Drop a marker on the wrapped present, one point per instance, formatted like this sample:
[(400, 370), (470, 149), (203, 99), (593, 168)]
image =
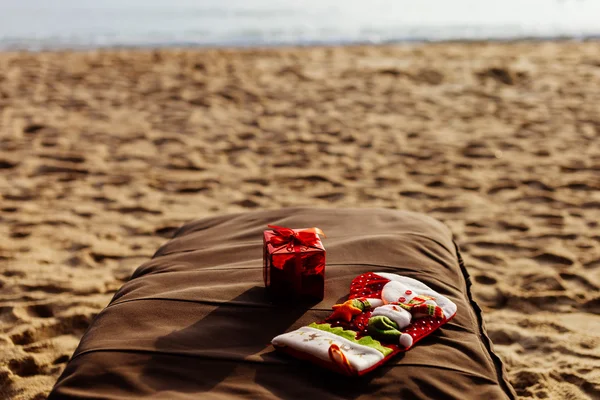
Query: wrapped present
[(294, 264)]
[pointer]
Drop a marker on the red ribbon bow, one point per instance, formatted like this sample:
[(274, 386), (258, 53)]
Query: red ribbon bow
[(286, 236)]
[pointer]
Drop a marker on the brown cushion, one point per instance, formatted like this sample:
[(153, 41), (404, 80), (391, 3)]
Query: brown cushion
[(194, 322)]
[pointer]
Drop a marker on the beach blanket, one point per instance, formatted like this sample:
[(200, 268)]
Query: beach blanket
[(194, 321)]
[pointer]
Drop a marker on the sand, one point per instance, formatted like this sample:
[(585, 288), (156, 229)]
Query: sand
[(104, 153)]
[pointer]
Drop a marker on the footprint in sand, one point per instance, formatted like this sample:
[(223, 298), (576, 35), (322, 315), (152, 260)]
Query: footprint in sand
[(553, 259), (581, 187), (513, 226), (539, 185), (500, 188), (536, 199), (61, 359), (60, 168), (247, 203), (592, 264), (485, 279), (191, 188), (489, 259), (419, 195), (40, 311), (523, 381), (501, 246), (258, 181), (137, 210), (592, 305), (24, 366), (331, 197), (447, 210), (593, 205), (33, 128), (6, 163), (166, 231), (578, 282), (541, 283), (75, 323), (552, 220), (65, 157)]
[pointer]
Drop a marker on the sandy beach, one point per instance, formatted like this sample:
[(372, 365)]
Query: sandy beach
[(103, 154)]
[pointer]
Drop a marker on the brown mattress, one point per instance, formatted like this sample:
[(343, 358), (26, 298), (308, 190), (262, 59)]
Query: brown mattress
[(194, 321)]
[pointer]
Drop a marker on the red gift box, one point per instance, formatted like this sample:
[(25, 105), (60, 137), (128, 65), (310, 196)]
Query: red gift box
[(294, 263)]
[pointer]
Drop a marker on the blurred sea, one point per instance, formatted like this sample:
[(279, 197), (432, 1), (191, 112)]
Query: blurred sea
[(43, 24)]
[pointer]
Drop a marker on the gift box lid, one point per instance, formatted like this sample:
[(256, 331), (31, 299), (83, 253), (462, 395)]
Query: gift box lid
[(287, 239)]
